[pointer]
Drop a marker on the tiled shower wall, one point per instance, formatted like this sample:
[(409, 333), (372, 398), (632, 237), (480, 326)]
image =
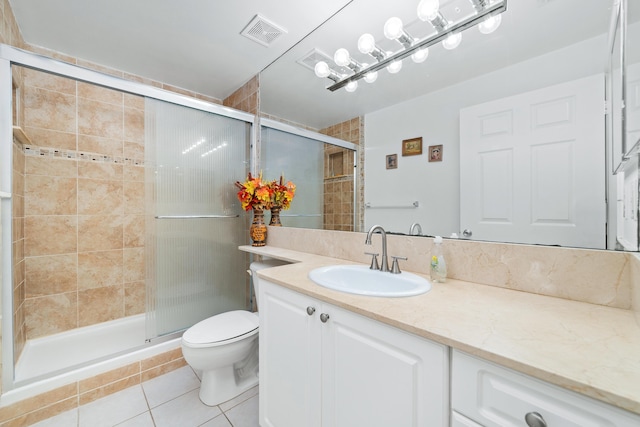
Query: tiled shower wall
[(339, 176), (84, 204)]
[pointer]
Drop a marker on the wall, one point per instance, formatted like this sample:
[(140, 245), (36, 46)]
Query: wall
[(435, 118), (84, 204)]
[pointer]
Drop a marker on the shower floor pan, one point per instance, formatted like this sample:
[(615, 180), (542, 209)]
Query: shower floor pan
[(43, 356)]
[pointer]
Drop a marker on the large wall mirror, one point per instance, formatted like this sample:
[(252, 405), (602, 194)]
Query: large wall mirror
[(514, 144)]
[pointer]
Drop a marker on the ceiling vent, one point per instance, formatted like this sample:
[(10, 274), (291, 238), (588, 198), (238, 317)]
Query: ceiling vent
[(262, 31), (312, 58)]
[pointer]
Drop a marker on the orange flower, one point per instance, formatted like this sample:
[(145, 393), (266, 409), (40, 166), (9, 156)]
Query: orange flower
[(282, 194)]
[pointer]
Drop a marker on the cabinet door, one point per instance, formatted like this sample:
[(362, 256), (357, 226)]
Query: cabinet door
[(376, 375), (289, 358)]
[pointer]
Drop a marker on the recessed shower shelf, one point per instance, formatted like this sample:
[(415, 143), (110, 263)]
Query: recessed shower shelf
[(22, 137)]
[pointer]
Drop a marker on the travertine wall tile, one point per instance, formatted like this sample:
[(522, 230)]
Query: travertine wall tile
[(99, 197), (46, 109), (50, 195), (100, 305), (51, 314), (101, 268), (96, 144), (101, 119), (50, 235), (53, 274), (99, 232), (134, 298)]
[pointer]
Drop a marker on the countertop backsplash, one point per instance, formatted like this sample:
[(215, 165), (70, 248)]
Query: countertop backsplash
[(606, 278)]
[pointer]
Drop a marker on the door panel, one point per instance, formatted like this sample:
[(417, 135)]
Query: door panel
[(532, 166)]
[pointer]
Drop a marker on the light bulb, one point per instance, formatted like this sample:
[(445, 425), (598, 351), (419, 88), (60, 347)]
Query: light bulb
[(341, 57), (420, 55), (395, 66), (490, 24), (371, 77), (428, 9), (453, 41), (366, 43), (322, 69), (393, 28), (351, 86)]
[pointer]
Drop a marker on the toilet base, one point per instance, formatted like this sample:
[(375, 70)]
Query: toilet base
[(220, 385)]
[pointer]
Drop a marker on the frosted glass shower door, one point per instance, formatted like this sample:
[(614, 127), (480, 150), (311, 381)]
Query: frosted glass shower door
[(301, 160), (194, 223)]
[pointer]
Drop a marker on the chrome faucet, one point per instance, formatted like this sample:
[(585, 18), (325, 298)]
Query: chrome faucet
[(385, 263), (414, 226)]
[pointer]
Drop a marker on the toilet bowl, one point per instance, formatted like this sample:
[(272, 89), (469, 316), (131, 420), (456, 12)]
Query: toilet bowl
[(224, 348)]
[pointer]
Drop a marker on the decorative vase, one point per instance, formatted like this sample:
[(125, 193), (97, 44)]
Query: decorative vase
[(275, 217), (258, 229)]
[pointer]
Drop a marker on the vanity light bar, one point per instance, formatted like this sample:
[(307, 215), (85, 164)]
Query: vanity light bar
[(472, 21)]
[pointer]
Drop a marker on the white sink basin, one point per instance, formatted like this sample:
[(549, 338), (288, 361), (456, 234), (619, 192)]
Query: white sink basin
[(361, 280)]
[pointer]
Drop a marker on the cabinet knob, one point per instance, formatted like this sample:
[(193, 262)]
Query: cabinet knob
[(324, 317), (311, 310), (534, 419)]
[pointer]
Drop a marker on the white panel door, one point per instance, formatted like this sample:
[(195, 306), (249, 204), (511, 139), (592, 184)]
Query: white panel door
[(378, 376), (632, 105), (532, 166)]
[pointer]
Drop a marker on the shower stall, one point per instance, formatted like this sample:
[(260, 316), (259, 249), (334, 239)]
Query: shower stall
[(120, 224)]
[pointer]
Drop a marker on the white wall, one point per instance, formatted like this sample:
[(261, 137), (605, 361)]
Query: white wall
[(435, 117)]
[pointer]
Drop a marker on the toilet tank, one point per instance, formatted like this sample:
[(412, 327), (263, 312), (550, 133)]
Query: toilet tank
[(259, 265)]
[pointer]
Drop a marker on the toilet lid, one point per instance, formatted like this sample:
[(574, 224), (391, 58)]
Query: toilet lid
[(221, 327)]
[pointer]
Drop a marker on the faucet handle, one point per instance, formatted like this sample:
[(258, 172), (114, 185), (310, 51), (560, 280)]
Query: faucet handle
[(374, 261), (395, 267)]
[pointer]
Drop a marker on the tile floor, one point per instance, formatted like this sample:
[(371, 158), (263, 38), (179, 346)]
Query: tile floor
[(170, 400)]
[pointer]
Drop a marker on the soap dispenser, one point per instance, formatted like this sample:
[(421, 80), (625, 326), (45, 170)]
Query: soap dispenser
[(438, 264)]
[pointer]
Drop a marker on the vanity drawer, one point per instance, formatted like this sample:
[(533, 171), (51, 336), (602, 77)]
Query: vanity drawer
[(458, 420), (494, 396)]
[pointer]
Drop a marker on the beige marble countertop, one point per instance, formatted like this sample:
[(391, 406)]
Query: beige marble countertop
[(591, 349)]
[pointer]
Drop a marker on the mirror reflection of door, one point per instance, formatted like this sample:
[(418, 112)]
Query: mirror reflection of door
[(532, 166)]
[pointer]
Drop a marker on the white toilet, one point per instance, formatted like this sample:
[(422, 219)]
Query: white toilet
[(224, 348)]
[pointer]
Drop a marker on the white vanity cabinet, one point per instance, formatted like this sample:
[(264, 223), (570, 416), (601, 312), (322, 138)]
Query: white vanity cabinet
[(488, 395), (321, 365)]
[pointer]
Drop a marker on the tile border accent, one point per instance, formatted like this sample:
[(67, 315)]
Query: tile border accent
[(32, 150)]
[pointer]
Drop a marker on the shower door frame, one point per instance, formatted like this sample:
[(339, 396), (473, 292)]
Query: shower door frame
[(13, 56), (319, 137)]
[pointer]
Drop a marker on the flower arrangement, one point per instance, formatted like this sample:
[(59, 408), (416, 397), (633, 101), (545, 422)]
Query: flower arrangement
[(282, 194), (257, 194), (254, 193)]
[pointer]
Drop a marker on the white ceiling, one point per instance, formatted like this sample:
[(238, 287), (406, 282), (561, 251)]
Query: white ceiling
[(193, 44), (196, 45)]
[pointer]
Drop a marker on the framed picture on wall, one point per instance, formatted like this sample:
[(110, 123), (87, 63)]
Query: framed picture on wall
[(435, 153), (412, 147), (392, 161)]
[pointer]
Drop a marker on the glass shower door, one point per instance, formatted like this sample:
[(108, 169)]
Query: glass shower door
[(301, 160), (194, 223)]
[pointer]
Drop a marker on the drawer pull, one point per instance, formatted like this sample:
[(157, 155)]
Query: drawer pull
[(324, 317), (311, 310), (534, 419)]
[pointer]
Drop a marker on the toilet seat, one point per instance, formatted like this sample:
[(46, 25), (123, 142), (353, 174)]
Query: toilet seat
[(223, 328)]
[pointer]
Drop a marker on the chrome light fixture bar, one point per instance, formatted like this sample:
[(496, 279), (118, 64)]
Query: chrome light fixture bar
[(487, 12)]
